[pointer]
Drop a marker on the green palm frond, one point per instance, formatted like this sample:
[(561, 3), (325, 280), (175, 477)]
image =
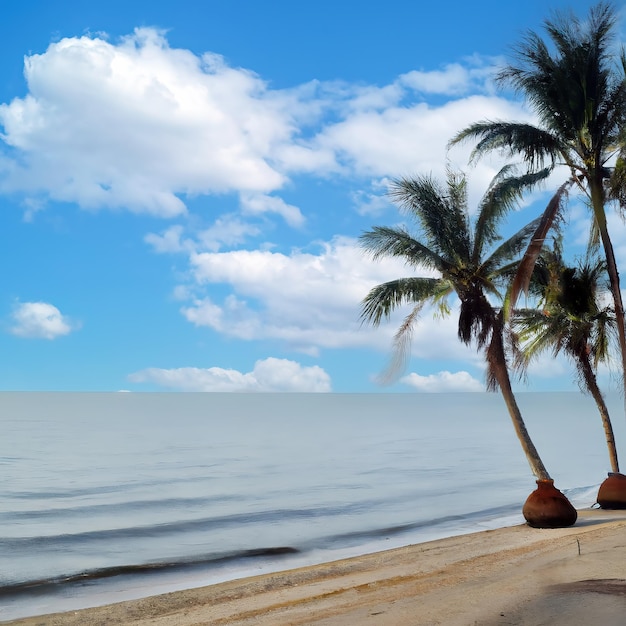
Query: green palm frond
[(441, 212), (570, 87), (569, 317), (604, 331), (504, 194), (536, 145), (497, 264), (453, 245), (383, 299), (617, 182), (539, 331), (384, 241)]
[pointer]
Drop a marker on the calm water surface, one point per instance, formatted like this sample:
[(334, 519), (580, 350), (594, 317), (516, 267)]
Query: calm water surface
[(106, 497)]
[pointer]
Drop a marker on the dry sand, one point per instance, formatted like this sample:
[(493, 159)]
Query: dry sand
[(508, 576)]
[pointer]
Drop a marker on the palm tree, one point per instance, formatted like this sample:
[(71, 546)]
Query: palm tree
[(464, 254), (577, 90), (570, 318)]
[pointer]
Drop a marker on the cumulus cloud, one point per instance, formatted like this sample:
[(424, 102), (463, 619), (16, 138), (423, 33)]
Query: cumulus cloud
[(308, 300), (454, 79), (255, 204), (226, 231), (268, 375), (134, 125), (375, 201), (403, 140), (443, 381), (39, 320), (168, 241), (139, 125)]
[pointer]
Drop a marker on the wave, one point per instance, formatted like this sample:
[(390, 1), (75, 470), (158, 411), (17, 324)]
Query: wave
[(78, 492), (87, 510), (582, 496), (210, 560), (432, 524), (47, 585), (237, 520)]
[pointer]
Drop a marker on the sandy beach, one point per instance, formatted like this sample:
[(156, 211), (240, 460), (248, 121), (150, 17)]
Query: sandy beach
[(516, 575)]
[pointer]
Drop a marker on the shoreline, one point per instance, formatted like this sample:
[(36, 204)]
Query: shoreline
[(513, 575)]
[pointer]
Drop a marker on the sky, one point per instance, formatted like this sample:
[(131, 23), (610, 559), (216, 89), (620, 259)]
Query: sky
[(183, 185)]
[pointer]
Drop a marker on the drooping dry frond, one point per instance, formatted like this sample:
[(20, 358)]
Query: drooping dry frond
[(551, 214)]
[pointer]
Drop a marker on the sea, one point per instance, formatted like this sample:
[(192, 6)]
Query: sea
[(107, 497)]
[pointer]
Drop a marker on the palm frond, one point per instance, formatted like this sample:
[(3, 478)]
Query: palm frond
[(567, 88), (497, 265), (551, 215), (383, 299), (441, 212), (617, 181), (569, 317), (505, 191), (401, 345), (383, 241), (536, 145), (402, 338)]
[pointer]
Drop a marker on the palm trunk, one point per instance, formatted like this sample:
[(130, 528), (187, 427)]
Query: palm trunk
[(592, 385), (597, 201), (496, 361)]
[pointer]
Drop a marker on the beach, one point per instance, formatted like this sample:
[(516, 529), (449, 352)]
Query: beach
[(515, 575)]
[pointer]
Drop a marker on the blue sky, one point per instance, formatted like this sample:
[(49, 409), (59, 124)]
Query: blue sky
[(183, 184)]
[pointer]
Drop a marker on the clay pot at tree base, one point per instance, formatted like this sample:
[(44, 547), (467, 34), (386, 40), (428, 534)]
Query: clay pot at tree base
[(612, 492), (547, 507)]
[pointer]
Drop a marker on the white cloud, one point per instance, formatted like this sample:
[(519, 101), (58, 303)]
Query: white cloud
[(375, 201), (138, 125), (443, 381), (39, 320), (308, 300), (132, 125), (226, 231), (255, 204), (453, 79), (403, 136), (270, 375), (405, 140), (168, 241)]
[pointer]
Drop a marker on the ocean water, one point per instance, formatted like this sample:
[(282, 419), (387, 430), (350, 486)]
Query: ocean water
[(108, 497)]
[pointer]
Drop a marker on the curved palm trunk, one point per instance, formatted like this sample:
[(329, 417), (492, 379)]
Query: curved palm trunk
[(496, 360), (597, 200), (592, 385)]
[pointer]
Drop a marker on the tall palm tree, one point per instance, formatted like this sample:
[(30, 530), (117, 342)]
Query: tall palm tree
[(470, 261), (570, 318), (576, 85)]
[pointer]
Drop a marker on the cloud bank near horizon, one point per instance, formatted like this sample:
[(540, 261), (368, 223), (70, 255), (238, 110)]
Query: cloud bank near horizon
[(268, 375)]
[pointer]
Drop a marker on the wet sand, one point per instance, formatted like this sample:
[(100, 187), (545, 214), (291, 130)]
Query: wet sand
[(508, 576)]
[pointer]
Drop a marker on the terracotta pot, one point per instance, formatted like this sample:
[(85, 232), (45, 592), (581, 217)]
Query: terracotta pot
[(612, 492), (547, 507)]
